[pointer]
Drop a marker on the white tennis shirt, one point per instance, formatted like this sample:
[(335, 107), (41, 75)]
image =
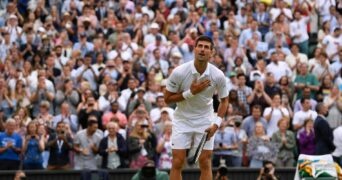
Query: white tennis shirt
[(195, 113)]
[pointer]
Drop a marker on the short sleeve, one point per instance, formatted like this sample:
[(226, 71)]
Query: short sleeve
[(77, 139), (222, 89), (173, 82)]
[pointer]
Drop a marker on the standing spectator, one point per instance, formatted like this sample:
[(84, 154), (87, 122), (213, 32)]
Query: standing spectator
[(259, 96), (260, 148), (273, 114), (155, 113), (286, 141), (86, 145), (115, 112), (141, 145), (271, 87), (59, 146), (236, 106), (139, 100), (337, 154), (300, 116), (248, 124), (90, 110), (323, 133), (304, 78), (299, 33), (164, 148), (33, 147), (10, 148), (307, 138), (307, 95), (334, 103), (331, 44), (113, 148), (244, 91), (295, 57), (278, 67), (67, 117), (87, 72), (67, 94)]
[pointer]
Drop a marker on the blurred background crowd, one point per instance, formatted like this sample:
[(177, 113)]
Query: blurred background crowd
[(81, 82)]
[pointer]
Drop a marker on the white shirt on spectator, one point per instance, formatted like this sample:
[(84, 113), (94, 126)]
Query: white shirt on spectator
[(246, 35), (277, 114), (300, 116), (299, 28), (155, 113), (14, 33), (336, 67), (338, 141), (279, 70), (332, 45), (291, 60), (275, 12), (88, 75), (124, 98)]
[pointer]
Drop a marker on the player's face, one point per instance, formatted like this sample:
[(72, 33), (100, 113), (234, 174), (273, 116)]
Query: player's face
[(203, 51)]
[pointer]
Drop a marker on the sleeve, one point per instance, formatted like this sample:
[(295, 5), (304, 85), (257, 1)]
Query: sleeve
[(102, 148), (267, 111), (295, 120), (325, 40), (173, 82), (290, 141), (222, 90)]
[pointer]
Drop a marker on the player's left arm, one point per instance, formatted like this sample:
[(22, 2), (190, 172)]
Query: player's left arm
[(222, 91)]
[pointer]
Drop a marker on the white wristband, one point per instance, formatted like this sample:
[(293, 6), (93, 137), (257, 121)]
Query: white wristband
[(187, 94), (217, 120)]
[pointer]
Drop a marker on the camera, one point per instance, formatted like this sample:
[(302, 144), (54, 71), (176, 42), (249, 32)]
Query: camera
[(223, 169)]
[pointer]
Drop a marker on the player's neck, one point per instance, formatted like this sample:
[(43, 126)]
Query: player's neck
[(201, 67)]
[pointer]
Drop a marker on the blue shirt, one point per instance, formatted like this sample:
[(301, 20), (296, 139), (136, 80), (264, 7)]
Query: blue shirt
[(10, 154), (226, 137)]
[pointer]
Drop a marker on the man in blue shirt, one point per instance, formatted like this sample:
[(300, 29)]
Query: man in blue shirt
[(10, 147)]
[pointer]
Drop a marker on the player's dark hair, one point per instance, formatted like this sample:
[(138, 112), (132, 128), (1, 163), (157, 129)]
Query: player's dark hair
[(205, 38)]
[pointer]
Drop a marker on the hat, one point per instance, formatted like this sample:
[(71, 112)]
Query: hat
[(45, 104), (199, 4), (232, 73), (12, 16), (177, 54), (158, 37), (41, 29), (193, 30), (141, 89), (154, 25), (164, 109)]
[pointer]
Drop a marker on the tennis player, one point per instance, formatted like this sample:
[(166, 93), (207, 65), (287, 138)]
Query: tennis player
[(192, 85)]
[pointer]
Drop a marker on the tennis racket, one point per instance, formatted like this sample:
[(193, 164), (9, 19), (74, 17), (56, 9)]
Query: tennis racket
[(193, 159)]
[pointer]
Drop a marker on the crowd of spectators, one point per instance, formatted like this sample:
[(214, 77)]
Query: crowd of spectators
[(81, 81)]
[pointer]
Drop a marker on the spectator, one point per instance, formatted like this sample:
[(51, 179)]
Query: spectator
[(155, 113), (260, 139), (277, 67), (334, 104), (295, 57), (305, 79), (44, 117), (133, 103), (259, 96), (286, 141), (141, 145), (244, 92), (114, 112), (87, 112), (236, 106), (149, 171), (159, 126), (68, 95), (59, 145), (302, 115), (164, 147), (273, 114), (11, 147), (307, 138), (33, 147), (67, 117), (337, 142), (299, 33), (86, 145), (113, 148), (248, 124), (323, 132), (306, 94), (87, 72)]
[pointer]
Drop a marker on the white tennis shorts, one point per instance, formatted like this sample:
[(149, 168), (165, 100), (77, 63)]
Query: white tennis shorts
[(187, 140)]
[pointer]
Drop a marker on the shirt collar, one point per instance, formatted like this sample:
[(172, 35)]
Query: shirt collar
[(194, 71)]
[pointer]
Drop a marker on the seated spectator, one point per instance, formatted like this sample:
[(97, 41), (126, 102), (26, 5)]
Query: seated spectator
[(248, 124), (286, 143), (260, 148), (59, 145), (238, 108), (141, 145), (113, 148), (10, 147), (307, 138), (86, 145), (33, 147), (259, 96), (164, 148)]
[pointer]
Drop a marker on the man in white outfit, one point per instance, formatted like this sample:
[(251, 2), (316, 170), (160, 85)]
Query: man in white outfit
[(192, 85)]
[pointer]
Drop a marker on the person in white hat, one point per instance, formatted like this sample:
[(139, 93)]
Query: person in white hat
[(13, 29), (153, 32)]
